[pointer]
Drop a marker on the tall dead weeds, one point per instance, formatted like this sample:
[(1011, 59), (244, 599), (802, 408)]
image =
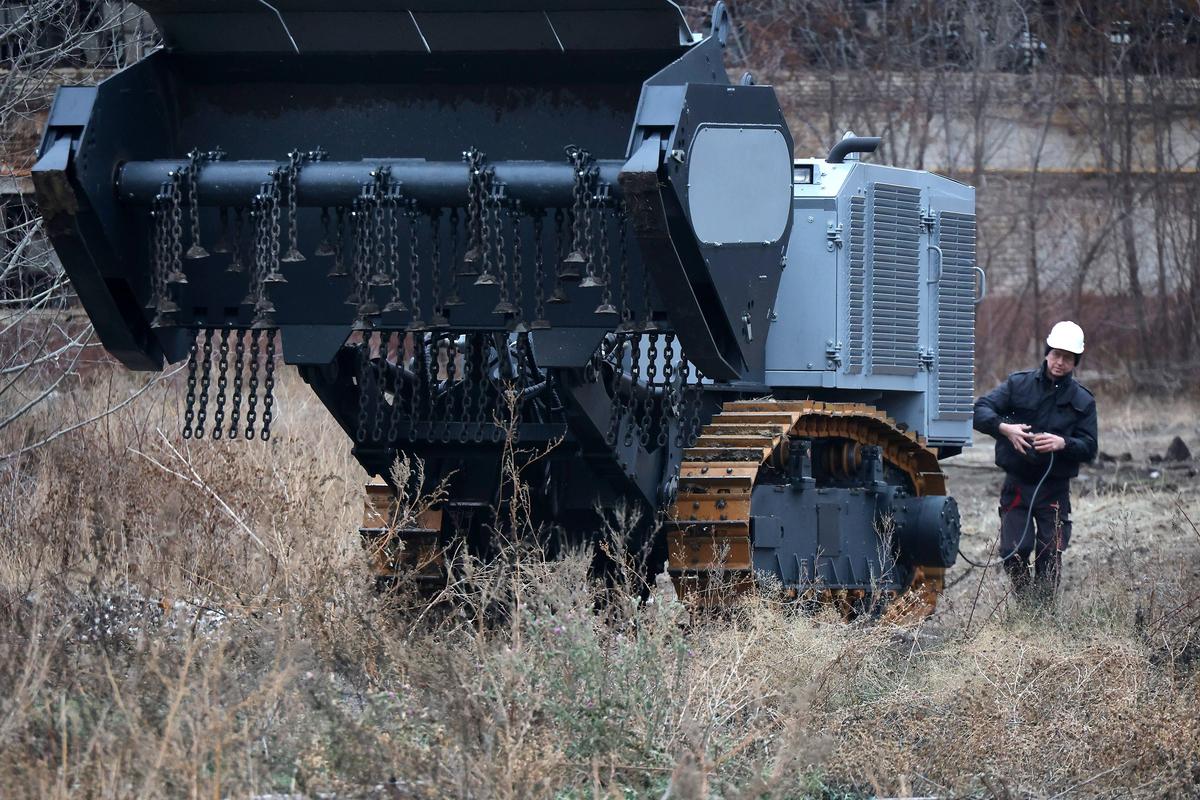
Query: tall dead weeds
[(152, 648)]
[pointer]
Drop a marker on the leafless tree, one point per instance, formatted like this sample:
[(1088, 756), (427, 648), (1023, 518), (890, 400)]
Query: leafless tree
[(44, 338), (1075, 122)]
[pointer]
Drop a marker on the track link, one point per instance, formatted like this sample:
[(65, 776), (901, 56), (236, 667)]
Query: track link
[(396, 550), (710, 552)]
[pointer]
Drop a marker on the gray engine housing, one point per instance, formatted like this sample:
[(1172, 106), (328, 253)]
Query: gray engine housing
[(877, 301)]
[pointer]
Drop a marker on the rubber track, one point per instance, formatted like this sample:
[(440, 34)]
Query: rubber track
[(710, 554)]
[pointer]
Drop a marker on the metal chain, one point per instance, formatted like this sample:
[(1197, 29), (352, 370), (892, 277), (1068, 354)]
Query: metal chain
[(524, 379), (614, 419), (175, 273), (539, 274), (684, 372), (252, 393), (451, 369), (273, 274), (189, 409), (395, 303), (222, 384), (192, 181), (468, 396), (377, 372), (290, 177), (160, 297), (495, 197), (364, 367), (504, 306), (623, 268), (667, 407), (414, 390), (484, 382), (257, 258), (358, 259), (518, 269), (239, 360), (416, 323), (651, 374), (591, 278), (694, 424), (378, 249), (385, 348), (475, 222), (158, 247), (370, 226), (569, 266), (486, 278), (268, 388), (267, 249), (258, 249), (205, 380), (635, 367), (503, 365), (429, 348), (605, 273)]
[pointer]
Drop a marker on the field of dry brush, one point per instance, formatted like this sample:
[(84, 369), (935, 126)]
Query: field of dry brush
[(196, 620)]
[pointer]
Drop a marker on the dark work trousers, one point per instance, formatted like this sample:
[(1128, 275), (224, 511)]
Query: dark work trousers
[(1047, 535)]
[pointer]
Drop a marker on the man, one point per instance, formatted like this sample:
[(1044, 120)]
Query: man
[(1044, 422)]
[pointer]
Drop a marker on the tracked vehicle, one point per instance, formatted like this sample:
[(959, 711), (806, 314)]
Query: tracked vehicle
[(554, 221)]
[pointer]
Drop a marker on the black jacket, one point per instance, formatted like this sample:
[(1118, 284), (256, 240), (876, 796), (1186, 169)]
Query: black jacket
[(1032, 397)]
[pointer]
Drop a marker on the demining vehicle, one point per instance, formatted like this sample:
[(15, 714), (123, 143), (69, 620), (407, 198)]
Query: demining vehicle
[(549, 222)]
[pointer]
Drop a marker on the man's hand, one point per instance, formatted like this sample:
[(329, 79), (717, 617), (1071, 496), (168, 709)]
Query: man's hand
[(1048, 443), (1020, 436)]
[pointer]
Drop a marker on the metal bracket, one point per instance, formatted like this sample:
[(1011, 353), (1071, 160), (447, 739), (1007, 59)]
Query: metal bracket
[(834, 234), (833, 353), (800, 464), (927, 358), (873, 469), (928, 219)]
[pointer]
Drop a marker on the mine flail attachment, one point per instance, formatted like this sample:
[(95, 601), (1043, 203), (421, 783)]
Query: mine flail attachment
[(556, 231)]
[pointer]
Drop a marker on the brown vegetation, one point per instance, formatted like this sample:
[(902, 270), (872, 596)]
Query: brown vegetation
[(196, 619)]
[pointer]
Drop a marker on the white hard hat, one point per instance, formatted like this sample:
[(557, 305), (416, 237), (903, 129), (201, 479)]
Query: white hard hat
[(1067, 336)]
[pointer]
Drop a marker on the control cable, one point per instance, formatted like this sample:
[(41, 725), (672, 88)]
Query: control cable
[(1024, 530)]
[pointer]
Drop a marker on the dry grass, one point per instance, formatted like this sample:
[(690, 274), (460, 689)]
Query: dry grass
[(198, 622)]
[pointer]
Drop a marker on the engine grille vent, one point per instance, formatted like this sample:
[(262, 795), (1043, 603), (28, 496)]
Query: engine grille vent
[(956, 316), (856, 316), (895, 279)]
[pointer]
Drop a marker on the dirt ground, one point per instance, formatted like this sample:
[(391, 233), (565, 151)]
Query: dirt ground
[(1130, 509)]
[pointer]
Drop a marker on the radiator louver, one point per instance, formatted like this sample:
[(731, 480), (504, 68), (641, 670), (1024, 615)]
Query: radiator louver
[(956, 316), (856, 326), (895, 279)]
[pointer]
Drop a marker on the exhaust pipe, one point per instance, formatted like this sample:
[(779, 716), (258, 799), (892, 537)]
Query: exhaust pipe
[(852, 144)]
